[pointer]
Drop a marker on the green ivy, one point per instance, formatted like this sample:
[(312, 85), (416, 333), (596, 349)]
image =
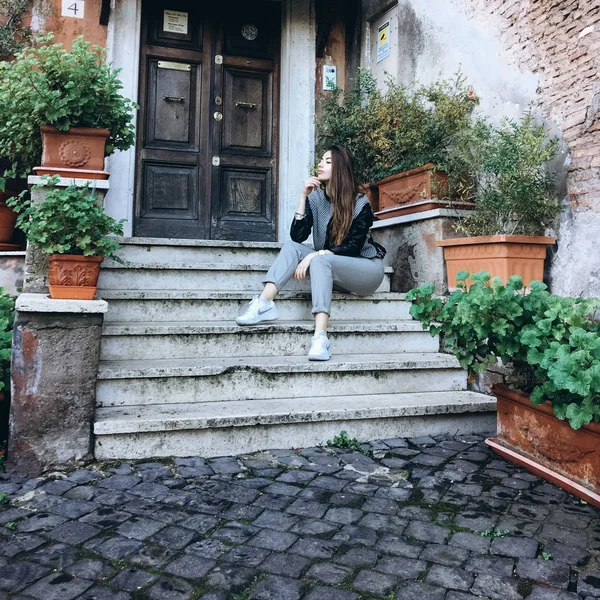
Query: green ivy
[(7, 314), (551, 342), (46, 85), (68, 221)]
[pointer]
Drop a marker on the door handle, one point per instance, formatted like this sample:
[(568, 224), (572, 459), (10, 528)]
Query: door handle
[(245, 105), (174, 99)]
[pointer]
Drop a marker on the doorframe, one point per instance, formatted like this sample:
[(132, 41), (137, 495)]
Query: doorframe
[(296, 106)]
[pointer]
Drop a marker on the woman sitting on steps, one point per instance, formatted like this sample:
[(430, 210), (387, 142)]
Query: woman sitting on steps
[(344, 255)]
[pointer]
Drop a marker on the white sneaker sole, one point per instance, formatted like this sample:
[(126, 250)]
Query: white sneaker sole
[(267, 320)]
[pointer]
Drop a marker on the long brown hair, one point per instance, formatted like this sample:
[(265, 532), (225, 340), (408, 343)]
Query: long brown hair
[(342, 190)]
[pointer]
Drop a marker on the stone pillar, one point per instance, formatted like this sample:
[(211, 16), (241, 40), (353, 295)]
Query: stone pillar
[(410, 241), (55, 355), (36, 262)]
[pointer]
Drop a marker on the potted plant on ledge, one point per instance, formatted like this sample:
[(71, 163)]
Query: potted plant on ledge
[(72, 228), (515, 201), (399, 138), (63, 109), (551, 425)]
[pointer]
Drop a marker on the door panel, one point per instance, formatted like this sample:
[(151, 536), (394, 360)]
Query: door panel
[(207, 149), (246, 111), (170, 191), (172, 103)]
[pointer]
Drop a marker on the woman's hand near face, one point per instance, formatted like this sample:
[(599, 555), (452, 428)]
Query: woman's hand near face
[(310, 184), (303, 266)]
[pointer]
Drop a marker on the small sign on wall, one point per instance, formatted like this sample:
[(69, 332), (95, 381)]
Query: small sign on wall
[(383, 41), (329, 78), (175, 22), (73, 8)]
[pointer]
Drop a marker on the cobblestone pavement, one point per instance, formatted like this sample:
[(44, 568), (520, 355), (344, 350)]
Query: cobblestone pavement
[(424, 519)]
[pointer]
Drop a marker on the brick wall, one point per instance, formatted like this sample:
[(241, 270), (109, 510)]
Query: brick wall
[(559, 40)]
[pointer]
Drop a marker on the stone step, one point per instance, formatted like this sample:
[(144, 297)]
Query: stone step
[(196, 276), (201, 305), (174, 381), (229, 428), (142, 250), (122, 341)]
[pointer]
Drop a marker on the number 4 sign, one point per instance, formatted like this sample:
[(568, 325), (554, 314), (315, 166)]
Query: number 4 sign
[(73, 8)]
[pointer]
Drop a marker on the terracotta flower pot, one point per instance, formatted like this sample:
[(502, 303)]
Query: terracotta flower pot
[(500, 255), (408, 192), (77, 153), (531, 436), (73, 277)]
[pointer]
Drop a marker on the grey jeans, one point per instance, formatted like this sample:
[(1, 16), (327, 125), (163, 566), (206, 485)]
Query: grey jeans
[(327, 272)]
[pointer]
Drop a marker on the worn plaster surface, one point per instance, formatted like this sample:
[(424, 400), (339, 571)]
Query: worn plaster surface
[(53, 389), (423, 518)]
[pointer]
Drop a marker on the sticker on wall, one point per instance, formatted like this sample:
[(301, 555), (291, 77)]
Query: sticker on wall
[(250, 31), (383, 41), (329, 78), (175, 22), (73, 8)]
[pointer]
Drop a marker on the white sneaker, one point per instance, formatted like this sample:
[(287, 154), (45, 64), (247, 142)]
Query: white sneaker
[(258, 311), (319, 347)]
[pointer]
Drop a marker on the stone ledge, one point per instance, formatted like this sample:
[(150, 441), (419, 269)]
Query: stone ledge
[(422, 216), (99, 184), (210, 415), (42, 303)]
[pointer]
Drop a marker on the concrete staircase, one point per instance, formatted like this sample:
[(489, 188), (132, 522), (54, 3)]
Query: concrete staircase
[(178, 377)]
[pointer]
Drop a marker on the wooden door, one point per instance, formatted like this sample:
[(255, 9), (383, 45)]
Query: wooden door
[(207, 142)]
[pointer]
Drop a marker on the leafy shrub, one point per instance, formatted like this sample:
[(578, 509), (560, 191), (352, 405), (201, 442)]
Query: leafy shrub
[(551, 341), (46, 85), (69, 221), (14, 35), (7, 313), (503, 171), (397, 129)]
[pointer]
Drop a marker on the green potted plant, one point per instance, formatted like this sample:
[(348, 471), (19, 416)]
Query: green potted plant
[(515, 200), (62, 110), (551, 425), (398, 137), (73, 229)]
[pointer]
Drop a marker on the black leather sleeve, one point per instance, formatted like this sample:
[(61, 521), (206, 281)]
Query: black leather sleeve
[(357, 236), (301, 228)]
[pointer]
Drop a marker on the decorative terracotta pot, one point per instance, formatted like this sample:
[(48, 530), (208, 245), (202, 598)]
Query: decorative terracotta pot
[(500, 255), (403, 192), (8, 218), (73, 277), (531, 436), (77, 153)]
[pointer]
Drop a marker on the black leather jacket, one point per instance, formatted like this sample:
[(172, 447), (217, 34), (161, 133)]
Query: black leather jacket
[(352, 244)]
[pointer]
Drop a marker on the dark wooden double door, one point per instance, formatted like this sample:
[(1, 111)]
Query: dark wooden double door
[(207, 141)]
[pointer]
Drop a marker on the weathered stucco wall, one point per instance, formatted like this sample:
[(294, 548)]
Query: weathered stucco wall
[(66, 29), (515, 53)]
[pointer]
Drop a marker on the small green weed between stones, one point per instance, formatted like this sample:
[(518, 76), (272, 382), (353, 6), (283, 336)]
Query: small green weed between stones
[(342, 440), (493, 533), (546, 555), (3, 498), (245, 594), (11, 524)]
